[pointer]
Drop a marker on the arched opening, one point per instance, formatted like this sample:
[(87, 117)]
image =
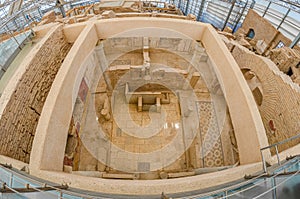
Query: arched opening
[(254, 85), (257, 94), (251, 33)]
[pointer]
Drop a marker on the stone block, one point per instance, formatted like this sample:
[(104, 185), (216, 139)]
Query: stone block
[(108, 14), (260, 46), (96, 174), (181, 174), (120, 176), (68, 169)]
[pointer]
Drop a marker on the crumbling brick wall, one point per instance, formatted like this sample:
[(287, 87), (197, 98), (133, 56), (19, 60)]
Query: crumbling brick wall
[(21, 115), (280, 108), (264, 30)]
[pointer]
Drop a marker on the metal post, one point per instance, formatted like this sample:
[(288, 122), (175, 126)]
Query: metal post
[(263, 161), (273, 183), (179, 4), (229, 13), (277, 155), (40, 12), (62, 10), (286, 14), (201, 10), (15, 23), (267, 8), (295, 41), (11, 180), (12, 35), (60, 6), (252, 4), (28, 22), (187, 5)]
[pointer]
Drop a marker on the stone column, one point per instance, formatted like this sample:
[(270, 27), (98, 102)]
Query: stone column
[(100, 55), (140, 104)]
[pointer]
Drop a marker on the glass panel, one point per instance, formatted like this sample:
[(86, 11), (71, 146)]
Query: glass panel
[(4, 176), (12, 196), (67, 196), (288, 189), (9, 47)]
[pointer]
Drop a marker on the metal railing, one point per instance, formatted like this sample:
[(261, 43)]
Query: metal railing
[(261, 179), (276, 150), (252, 188), (21, 184), (16, 182)]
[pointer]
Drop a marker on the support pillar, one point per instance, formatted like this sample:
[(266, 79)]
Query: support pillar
[(187, 5), (200, 10), (140, 104), (267, 8), (286, 14), (229, 13), (158, 105), (103, 64), (295, 41)]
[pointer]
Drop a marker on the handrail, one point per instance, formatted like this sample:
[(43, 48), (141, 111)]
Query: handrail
[(32, 180), (235, 186), (248, 188), (276, 148), (91, 196), (282, 142), (277, 185)]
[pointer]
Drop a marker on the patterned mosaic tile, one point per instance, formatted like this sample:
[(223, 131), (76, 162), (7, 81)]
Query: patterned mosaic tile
[(211, 148)]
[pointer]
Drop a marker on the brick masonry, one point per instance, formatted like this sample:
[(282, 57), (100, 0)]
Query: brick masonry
[(280, 108), (21, 115), (265, 31)]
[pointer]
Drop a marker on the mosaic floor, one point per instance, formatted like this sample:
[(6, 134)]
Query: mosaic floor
[(210, 135)]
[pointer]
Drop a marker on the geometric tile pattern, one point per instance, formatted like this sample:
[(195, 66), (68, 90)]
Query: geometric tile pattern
[(211, 143)]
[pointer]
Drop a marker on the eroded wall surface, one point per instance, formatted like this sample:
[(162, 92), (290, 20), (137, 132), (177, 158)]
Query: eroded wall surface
[(264, 30), (21, 115), (279, 109)]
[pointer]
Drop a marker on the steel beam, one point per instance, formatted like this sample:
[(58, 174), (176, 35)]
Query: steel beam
[(286, 14), (267, 8), (201, 9), (187, 6), (229, 13), (241, 15), (295, 41)]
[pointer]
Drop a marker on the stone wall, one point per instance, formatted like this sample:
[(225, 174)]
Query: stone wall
[(21, 115), (279, 109), (264, 30)]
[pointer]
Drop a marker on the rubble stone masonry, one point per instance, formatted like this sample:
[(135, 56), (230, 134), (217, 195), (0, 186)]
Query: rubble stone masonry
[(21, 115)]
